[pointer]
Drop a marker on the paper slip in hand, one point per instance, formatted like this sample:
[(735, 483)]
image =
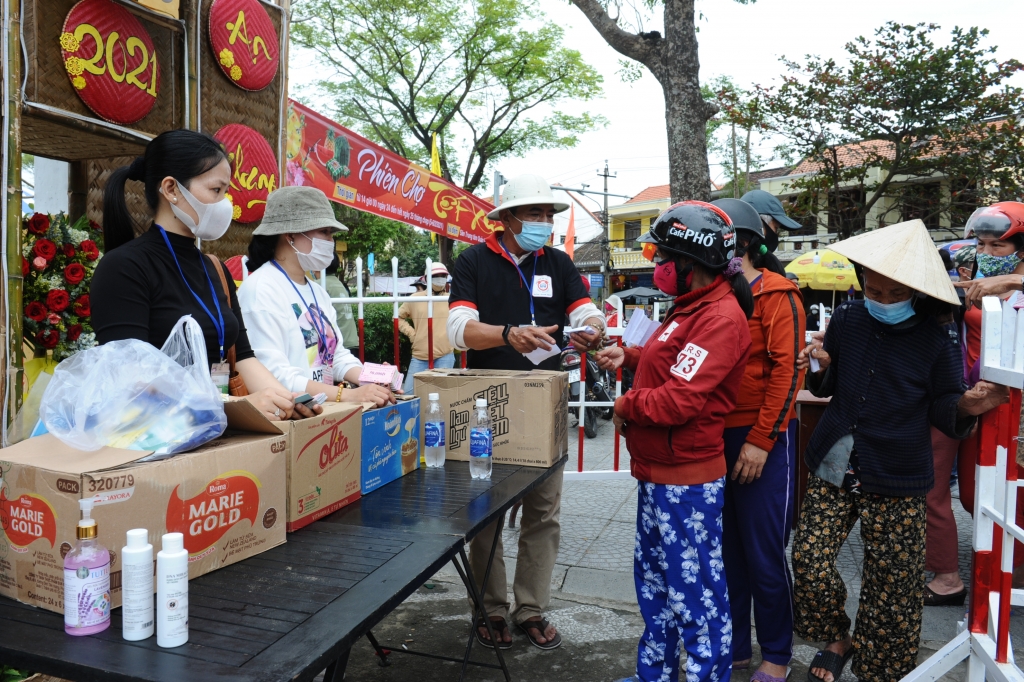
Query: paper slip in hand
[(387, 375), (639, 329), (579, 330), (539, 355)]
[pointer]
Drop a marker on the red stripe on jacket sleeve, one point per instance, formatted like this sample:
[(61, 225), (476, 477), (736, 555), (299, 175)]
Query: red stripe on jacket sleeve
[(577, 304), (464, 304)]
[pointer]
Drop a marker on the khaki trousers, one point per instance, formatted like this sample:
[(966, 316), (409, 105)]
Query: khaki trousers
[(539, 535)]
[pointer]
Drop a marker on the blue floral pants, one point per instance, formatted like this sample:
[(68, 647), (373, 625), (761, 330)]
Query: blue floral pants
[(680, 583)]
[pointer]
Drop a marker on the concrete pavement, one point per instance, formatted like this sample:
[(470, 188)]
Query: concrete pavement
[(593, 598)]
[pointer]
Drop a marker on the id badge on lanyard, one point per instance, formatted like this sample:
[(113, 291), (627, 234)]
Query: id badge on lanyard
[(324, 374)]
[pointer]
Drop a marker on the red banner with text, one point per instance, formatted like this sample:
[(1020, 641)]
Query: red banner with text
[(353, 171)]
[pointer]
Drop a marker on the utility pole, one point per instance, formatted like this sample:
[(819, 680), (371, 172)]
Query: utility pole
[(606, 255)]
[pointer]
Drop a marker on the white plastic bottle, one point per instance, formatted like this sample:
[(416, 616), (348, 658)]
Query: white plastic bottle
[(480, 441), (172, 591), (433, 433), (137, 586)]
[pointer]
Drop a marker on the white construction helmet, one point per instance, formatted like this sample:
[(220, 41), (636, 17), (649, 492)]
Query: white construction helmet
[(527, 190)]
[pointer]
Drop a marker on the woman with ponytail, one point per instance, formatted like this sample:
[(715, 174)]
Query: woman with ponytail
[(144, 285), (686, 381), (760, 453)]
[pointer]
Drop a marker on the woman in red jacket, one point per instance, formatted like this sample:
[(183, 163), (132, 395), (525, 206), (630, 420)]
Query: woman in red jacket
[(760, 452), (687, 378)]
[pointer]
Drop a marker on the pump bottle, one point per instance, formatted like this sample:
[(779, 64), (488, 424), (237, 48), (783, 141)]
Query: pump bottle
[(87, 579)]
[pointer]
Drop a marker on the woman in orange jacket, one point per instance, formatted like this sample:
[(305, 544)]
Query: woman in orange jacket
[(760, 453)]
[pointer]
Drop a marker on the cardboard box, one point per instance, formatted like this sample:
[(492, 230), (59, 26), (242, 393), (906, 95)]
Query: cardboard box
[(529, 411), (227, 498), (391, 443), (323, 456)]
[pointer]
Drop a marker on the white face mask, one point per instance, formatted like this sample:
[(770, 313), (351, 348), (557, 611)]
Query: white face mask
[(319, 257), (438, 282), (214, 219)]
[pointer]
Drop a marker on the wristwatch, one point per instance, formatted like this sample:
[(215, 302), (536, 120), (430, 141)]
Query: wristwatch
[(504, 334)]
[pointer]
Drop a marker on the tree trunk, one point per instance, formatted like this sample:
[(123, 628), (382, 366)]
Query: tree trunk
[(746, 173), (686, 111), (673, 61), (735, 167)]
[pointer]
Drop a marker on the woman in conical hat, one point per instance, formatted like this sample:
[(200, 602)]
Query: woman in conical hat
[(892, 371)]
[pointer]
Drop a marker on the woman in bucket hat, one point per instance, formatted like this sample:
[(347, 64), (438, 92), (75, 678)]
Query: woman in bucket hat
[(892, 370), (292, 325)]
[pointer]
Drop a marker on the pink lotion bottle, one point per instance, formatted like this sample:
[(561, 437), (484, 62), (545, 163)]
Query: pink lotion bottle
[(87, 579)]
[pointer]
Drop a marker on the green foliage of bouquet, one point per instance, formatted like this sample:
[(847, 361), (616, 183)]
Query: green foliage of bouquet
[(58, 260)]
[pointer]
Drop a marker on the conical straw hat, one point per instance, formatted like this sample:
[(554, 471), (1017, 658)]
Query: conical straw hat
[(903, 252)]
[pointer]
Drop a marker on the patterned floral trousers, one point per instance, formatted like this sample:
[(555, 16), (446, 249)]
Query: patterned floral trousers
[(893, 529), (680, 583)]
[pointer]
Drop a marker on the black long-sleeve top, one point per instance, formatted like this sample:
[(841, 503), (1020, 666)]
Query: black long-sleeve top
[(138, 293), (888, 383)]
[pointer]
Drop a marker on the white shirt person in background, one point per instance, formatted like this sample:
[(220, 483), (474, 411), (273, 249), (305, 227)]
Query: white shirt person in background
[(292, 326)]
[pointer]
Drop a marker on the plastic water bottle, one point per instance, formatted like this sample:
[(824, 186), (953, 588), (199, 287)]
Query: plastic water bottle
[(480, 441), (433, 433)]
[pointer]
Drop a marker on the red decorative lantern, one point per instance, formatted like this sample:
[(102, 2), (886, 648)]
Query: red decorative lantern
[(111, 61), (253, 170), (244, 42)]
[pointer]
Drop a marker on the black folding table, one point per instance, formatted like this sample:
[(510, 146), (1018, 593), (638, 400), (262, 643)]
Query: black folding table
[(449, 501), (285, 614), (297, 609)]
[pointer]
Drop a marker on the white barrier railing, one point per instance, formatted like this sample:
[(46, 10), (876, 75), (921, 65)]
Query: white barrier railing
[(985, 641), (360, 300)]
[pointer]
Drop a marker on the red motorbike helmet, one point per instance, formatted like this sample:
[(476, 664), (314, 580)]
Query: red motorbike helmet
[(1004, 220)]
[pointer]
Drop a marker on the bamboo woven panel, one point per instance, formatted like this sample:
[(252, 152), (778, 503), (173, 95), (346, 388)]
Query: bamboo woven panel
[(99, 173), (222, 102), (47, 80)]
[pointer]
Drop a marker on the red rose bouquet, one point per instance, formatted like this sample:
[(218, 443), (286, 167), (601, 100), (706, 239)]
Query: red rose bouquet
[(58, 260)]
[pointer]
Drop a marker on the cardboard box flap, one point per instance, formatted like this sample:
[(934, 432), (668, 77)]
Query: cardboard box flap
[(471, 373), (244, 416), (48, 452)]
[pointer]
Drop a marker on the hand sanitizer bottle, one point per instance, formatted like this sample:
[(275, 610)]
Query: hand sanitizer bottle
[(87, 579)]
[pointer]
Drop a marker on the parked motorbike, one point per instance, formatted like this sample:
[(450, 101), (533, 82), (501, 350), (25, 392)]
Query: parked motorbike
[(597, 386)]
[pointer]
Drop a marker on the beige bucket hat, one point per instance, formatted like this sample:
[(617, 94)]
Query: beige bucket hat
[(297, 209), (904, 252)]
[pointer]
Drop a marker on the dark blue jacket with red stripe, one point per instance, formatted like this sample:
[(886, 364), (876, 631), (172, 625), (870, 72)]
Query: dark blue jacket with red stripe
[(486, 279)]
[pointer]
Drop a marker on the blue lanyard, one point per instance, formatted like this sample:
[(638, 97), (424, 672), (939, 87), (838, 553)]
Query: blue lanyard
[(529, 288), (218, 322), (320, 329)]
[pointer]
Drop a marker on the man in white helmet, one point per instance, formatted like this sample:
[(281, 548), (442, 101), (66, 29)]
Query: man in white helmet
[(510, 296)]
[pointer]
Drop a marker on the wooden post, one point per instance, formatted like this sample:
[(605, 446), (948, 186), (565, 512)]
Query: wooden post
[(12, 301), (78, 190)]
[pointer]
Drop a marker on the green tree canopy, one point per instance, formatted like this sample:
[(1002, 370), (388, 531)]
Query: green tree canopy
[(901, 113), (484, 74)]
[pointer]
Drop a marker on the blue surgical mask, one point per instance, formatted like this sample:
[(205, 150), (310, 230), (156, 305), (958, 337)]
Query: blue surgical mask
[(890, 313), (993, 266), (533, 235)]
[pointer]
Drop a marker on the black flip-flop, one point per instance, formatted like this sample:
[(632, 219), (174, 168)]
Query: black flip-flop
[(529, 626), (500, 627), (932, 598), (830, 661)]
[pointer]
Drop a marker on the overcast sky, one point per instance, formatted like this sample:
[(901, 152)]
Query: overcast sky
[(741, 41)]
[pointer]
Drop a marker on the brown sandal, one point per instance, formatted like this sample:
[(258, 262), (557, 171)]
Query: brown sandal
[(529, 626), (500, 628)]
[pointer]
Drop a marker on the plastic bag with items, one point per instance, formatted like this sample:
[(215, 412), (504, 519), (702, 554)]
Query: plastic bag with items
[(128, 394)]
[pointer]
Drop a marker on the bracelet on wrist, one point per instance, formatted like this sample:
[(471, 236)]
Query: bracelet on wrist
[(504, 334)]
